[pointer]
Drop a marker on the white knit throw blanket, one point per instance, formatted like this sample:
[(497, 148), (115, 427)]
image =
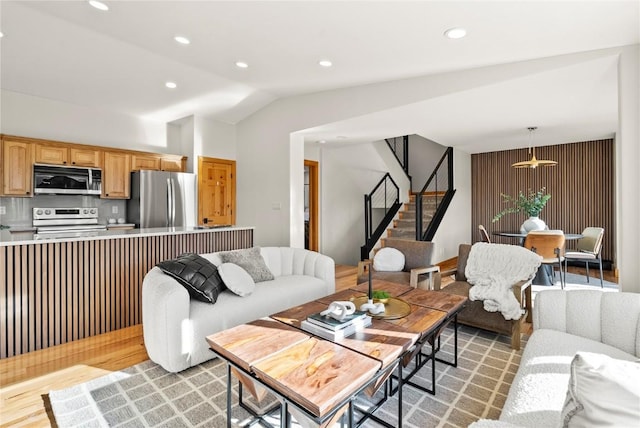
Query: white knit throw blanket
[(493, 269)]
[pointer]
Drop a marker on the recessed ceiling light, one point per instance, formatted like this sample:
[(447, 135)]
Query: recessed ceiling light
[(182, 40), (241, 64), (455, 33), (171, 85), (321, 141), (98, 5), (341, 137), (1, 34), (325, 63)]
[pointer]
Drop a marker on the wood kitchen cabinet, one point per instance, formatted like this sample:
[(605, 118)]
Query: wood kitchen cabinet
[(18, 154), (65, 155), (145, 161), (116, 175), (51, 155), (86, 157), (172, 163), (17, 168), (157, 162)]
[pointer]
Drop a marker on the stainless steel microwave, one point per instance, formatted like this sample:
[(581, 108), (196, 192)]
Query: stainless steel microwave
[(64, 180)]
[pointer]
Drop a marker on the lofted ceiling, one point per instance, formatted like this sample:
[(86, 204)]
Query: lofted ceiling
[(119, 61)]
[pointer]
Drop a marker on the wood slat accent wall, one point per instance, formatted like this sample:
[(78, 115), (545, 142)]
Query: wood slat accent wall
[(581, 187), (53, 293)]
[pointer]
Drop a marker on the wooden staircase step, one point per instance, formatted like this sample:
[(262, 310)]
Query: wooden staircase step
[(427, 195), (401, 233)]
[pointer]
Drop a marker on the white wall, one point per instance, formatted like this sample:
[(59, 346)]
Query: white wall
[(263, 179), (218, 139), (627, 171), (188, 133), (28, 116), (424, 155), (348, 173), (456, 225)]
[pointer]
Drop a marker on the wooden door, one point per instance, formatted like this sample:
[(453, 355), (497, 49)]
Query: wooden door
[(216, 191), (311, 218)]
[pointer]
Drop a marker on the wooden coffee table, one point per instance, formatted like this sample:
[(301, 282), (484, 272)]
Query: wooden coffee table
[(426, 303), (319, 378)]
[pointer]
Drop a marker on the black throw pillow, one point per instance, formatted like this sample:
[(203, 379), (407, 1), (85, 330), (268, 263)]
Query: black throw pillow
[(198, 275)]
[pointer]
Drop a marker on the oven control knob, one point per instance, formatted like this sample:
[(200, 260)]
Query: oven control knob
[(85, 211), (47, 212), (39, 212), (93, 210)]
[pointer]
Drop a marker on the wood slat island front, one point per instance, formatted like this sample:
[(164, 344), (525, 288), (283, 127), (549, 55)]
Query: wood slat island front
[(58, 291)]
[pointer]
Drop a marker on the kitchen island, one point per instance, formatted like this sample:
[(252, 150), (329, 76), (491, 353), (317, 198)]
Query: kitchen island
[(57, 289)]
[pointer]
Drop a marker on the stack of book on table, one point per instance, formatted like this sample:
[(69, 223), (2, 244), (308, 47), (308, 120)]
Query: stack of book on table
[(331, 329)]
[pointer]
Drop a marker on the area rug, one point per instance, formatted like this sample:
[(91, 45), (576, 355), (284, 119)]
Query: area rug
[(577, 282), (145, 395)]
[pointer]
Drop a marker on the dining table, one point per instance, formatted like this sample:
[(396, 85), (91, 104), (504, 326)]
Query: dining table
[(544, 275)]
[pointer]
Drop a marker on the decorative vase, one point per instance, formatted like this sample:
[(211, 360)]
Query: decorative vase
[(532, 223)]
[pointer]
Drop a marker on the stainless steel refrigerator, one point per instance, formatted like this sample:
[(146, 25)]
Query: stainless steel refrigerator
[(162, 199)]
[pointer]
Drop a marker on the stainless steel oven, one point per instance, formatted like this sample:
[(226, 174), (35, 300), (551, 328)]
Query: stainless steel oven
[(59, 222)]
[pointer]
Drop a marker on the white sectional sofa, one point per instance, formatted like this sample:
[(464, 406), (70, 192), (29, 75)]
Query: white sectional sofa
[(564, 323), (175, 326)]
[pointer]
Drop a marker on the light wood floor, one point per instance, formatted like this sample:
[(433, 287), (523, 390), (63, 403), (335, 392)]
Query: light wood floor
[(25, 380)]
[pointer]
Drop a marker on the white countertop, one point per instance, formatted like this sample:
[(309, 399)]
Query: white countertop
[(8, 238)]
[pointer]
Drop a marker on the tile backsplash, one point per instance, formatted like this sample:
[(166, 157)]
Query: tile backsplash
[(18, 212)]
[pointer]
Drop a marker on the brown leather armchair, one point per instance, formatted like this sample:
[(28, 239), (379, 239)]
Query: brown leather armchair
[(474, 313), (418, 271)]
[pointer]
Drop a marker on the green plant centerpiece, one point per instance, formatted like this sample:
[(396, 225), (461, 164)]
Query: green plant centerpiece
[(531, 203), (380, 296)]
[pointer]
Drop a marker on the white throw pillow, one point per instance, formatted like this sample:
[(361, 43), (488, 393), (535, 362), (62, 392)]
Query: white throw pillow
[(388, 259), (236, 279), (602, 391)]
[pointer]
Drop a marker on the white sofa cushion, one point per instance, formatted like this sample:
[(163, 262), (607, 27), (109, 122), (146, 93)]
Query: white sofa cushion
[(388, 259), (603, 391), (236, 279), (612, 318)]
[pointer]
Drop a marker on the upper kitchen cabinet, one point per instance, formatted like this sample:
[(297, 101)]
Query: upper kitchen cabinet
[(158, 162), (51, 155), (145, 161), (173, 163), (116, 175), (67, 155), (18, 154), (86, 157), (17, 168)]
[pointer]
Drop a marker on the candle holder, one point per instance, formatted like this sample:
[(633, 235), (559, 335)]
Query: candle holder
[(369, 306)]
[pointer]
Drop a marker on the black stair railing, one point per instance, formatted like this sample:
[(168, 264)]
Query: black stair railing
[(437, 193), (400, 148), (380, 207)]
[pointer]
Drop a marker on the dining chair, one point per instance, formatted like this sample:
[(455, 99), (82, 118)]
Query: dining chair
[(484, 235), (589, 250), (550, 245)]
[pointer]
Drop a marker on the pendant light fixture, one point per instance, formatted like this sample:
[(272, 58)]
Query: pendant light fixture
[(534, 162)]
